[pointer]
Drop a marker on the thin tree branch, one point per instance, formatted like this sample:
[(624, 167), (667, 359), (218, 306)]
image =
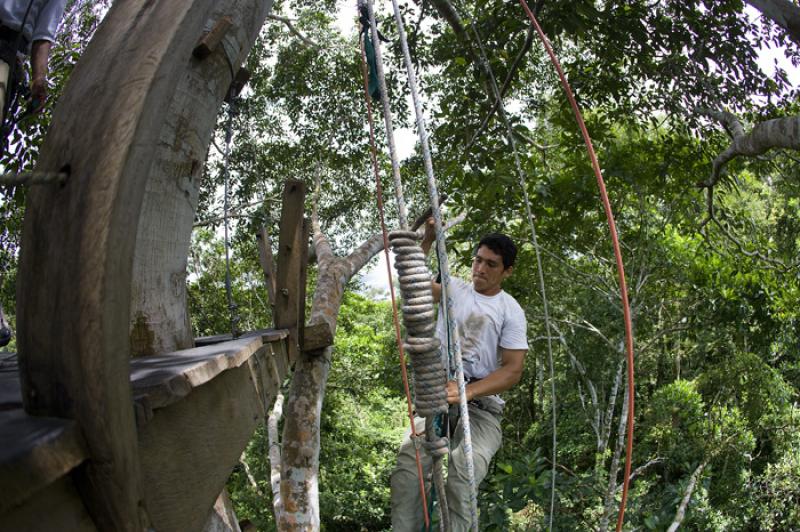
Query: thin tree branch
[(292, 29)]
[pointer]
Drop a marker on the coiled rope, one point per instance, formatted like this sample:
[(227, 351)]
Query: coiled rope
[(395, 319), (430, 378), (623, 289), (443, 264)]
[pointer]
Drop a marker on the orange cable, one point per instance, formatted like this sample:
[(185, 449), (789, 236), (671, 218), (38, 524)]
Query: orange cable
[(395, 318), (626, 311)]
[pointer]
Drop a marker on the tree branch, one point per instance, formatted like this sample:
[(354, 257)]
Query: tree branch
[(783, 13), (767, 135), (292, 29), (687, 496)]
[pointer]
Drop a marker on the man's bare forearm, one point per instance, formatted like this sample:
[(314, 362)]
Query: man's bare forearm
[(40, 51)]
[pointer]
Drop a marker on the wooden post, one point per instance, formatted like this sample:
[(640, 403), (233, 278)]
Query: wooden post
[(267, 263), (292, 248)]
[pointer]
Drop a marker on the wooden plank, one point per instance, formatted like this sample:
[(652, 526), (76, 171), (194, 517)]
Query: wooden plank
[(281, 357), (10, 386), (267, 262), (190, 447), (35, 452), (317, 337), (267, 335), (290, 255), (56, 507), (209, 42), (159, 381)]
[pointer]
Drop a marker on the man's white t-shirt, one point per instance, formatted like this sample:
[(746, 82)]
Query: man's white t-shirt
[(42, 20), (485, 325)]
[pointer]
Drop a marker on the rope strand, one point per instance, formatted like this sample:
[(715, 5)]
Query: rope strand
[(623, 289), (510, 136), (444, 267), (395, 318)]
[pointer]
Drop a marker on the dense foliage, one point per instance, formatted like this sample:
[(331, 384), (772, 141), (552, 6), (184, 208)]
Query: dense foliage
[(715, 303)]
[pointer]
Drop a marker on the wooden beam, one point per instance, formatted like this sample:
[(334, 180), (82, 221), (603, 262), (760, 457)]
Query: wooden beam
[(267, 263), (301, 296), (34, 453), (209, 41), (290, 257), (190, 447), (80, 241), (317, 337)]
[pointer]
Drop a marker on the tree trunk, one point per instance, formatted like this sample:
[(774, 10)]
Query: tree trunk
[(159, 317), (611, 491), (783, 13), (299, 489)]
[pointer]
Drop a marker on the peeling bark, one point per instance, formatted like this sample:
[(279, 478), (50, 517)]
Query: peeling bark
[(299, 484), (611, 491), (275, 456), (767, 135)]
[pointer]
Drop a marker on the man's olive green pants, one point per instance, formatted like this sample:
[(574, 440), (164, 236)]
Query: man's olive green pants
[(407, 512)]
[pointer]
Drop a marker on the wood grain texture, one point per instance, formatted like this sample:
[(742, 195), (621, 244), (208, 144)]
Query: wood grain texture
[(35, 452), (79, 240), (159, 381), (56, 507), (190, 447), (290, 257)]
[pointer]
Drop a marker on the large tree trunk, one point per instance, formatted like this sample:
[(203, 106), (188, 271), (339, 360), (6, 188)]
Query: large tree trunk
[(159, 318), (783, 13), (299, 489)]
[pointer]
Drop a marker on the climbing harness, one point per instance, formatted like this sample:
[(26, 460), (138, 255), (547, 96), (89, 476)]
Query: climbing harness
[(540, 270), (233, 308), (626, 311)]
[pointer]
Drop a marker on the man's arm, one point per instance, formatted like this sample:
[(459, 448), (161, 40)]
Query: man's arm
[(40, 52), (502, 379)]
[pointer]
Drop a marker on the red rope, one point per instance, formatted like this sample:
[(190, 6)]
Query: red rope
[(395, 318), (626, 311)]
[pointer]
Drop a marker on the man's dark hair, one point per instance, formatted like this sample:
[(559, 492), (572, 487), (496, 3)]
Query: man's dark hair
[(502, 245)]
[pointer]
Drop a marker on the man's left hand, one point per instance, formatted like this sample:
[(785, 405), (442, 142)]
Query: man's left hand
[(38, 94)]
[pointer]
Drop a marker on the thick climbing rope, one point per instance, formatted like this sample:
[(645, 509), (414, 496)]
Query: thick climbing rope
[(430, 378), (443, 265), (232, 306), (626, 311), (395, 319), (521, 176), (387, 113)]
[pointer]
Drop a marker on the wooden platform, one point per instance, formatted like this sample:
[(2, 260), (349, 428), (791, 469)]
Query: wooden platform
[(196, 410)]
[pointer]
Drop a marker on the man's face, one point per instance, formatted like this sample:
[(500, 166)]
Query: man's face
[(488, 272)]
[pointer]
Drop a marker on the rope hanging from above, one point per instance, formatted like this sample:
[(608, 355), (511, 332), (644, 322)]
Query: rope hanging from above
[(539, 268), (233, 308), (444, 268), (612, 227), (395, 319)]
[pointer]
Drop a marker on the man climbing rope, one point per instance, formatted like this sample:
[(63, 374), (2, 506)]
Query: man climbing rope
[(492, 328), (27, 26)]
